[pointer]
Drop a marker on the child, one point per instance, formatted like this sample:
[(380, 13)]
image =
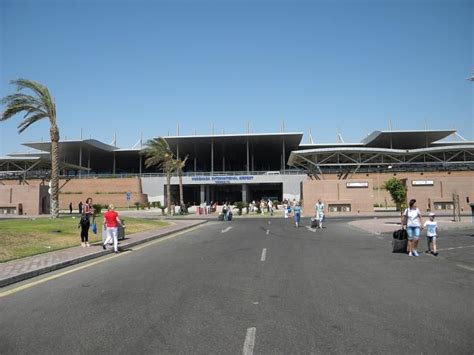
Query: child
[(431, 234), (297, 214)]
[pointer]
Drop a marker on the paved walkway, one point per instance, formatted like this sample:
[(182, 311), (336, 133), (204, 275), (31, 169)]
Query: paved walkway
[(22, 269), (388, 225)]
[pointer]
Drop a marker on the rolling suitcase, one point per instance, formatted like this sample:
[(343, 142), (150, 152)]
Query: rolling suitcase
[(314, 223), (399, 241)]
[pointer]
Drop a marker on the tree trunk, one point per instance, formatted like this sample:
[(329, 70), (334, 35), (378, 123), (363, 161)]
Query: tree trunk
[(168, 191), (181, 198), (54, 132)]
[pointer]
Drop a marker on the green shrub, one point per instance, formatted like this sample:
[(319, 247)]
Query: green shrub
[(398, 192), (239, 206), (97, 209), (137, 205)]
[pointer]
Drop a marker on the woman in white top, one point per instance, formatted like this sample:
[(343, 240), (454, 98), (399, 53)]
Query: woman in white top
[(411, 218)]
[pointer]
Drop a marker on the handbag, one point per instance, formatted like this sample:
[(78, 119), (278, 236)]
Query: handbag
[(94, 228)]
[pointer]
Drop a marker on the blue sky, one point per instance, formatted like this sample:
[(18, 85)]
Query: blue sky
[(132, 67)]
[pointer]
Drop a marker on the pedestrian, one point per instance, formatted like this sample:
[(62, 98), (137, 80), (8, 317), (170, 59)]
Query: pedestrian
[(285, 208), (319, 213), (297, 214), (70, 207), (224, 211), (411, 219), (85, 222), (227, 211), (431, 234), (270, 207), (111, 222), (80, 207)]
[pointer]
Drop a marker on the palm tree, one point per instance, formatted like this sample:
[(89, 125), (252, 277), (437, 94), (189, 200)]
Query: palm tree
[(158, 153), (180, 164), (36, 107)]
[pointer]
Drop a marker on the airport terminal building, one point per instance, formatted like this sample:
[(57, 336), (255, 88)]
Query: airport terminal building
[(246, 167)]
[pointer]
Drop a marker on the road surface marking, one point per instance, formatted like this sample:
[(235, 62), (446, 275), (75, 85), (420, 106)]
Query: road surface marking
[(101, 260), (466, 267), (249, 342), (268, 231), (226, 230), (264, 254), (467, 246), (311, 229)]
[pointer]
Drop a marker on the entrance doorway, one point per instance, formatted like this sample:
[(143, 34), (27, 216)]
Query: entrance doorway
[(272, 191)]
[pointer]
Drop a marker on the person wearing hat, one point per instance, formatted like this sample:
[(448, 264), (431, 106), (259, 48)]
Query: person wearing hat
[(431, 234)]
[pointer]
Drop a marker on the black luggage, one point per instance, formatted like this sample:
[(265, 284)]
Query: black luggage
[(220, 217), (229, 216), (400, 234), (400, 241), (314, 223)]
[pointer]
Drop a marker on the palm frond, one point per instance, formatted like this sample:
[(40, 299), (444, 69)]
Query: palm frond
[(158, 153), (40, 90), (35, 107), (28, 121)]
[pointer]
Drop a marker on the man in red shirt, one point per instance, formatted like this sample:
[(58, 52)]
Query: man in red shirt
[(111, 222)]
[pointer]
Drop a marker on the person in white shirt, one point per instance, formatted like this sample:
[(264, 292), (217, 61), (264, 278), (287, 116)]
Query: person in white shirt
[(431, 234), (319, 213), (270, 207), (285, 208), (411, 218)]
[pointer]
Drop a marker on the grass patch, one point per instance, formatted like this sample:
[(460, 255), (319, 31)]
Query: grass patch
[(20, 238)]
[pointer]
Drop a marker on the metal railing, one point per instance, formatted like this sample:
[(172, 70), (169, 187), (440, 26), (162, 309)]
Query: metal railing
[(185, 174)]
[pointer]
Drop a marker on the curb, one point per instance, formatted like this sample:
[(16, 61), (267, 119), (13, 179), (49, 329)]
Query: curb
[(63, 264)]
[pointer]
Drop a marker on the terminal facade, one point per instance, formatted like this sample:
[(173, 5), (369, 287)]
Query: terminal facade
[(348, 177)]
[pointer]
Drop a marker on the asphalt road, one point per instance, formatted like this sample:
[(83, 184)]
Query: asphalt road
[(256, 284)]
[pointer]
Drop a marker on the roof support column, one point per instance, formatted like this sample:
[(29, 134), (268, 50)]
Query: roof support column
[(195, 159), (244, 193), (248, 156), (89, 162), (202, 193), (283, 155), (113, 166), (80, 160), (140, 167), (212, 156)]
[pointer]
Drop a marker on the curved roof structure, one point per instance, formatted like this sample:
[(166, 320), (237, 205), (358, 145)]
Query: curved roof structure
[(402, 149), (409, 139)]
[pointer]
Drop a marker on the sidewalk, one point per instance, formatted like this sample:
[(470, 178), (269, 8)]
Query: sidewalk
[(22, 269), (389, 225)]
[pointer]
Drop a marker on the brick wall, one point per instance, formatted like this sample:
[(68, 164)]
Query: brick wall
[(29, 196), (102, 191), (444, 186), (337, 193)]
